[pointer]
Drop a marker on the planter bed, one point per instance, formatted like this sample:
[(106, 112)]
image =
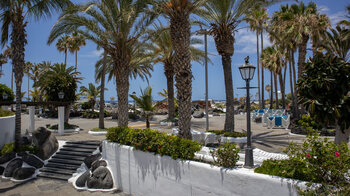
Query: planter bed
[(66, 130), (142, 173)]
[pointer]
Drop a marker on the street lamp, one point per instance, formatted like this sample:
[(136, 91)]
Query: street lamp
[(134, 94), (247, 73), (61, 95), (5, 96), (205, 32)]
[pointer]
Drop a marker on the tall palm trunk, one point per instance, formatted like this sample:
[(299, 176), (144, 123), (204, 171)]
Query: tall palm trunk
[(295, 87), (67, 113), (76, 60), (258, 66), (122, 81), (302, 55), (65, 56), (169, 74), (147, 122), (18, 37), (230, 118), (271, 95), (283, 86), (276, 89), (101, 122), (28, 87), (262, 72), (291, 80), (180, 38)]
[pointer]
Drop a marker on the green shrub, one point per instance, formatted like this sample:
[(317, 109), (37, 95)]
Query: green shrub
[(226, 155), (91, 114), (154, 141), (86, 105), (4, 113), (7, 148), (308, 123), (317, 160), (66, 126), (8, 91), (228, 133)]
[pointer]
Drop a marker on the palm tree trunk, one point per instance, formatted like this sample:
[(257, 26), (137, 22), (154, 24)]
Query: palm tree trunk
[(180, 37), (147, 122), (229, 118), (18, 38), (12, 73), (302, 55), (28, 87), (65, 56), (276, 90), (271, 95), (262, 73), (76, 60), (101, 122), (122, 81), (291, 80), (283, 86), (258, 66), (295, 108), (67, 113), (169, 74)]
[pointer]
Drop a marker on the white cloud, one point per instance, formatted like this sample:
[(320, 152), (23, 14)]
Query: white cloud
[(336, 17), (323, 9), (93, 54), (246, 41)]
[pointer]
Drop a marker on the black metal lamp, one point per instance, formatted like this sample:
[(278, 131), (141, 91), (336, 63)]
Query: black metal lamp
[(247, 73), (5, 96), (61, 95)]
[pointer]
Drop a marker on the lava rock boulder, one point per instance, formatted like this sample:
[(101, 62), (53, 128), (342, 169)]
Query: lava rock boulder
[(198, 114), (97, 164), (32, 161), (1, 170), (12, 166), (81, 181), (101, 178), (7, 157), (23, 173), (46, 143), (90, 159)]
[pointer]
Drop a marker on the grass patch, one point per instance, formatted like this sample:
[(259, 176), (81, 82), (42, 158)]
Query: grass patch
[(98, 130), (4, 113), (228, 133)]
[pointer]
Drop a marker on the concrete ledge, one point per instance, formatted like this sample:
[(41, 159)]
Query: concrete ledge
[(97, 132), (143, 173), (7, 130)]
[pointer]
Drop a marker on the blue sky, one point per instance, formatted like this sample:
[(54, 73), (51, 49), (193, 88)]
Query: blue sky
[(37, 51)]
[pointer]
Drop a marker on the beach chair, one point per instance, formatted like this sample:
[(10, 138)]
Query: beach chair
[(285, 121), (278, 121), (265, 118)]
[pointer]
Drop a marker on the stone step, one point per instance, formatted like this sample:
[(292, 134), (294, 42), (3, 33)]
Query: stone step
[(69, 157), (81, 146), (65, 161), (83, 154), (57, 171), (76, 149), (54, 176), (62, 166), (93, 143)]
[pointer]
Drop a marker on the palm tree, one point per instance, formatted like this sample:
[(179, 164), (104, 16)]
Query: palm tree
[(57, 78), (118, 36), (3, 60), (223, 17), (257, 18), (63, 44), (15, 14), (337, 42), (91, 93), (178, 13), (28, 67), (163, 52), (77, 42), (346, 22), (145, 102)]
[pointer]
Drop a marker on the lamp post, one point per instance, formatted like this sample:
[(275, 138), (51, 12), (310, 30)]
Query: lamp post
[(205, 32), (134, 94), (247, 73), (61, 95), (5, 96)]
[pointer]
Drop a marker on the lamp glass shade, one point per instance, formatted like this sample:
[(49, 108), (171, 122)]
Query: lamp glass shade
[(61, 95), (5, 96), (247, 71)]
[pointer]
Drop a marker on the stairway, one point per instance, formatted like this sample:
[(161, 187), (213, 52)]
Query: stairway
[(66, 161)]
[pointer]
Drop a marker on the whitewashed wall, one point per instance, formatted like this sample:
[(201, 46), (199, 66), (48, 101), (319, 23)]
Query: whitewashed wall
[(7, 130), (142, 173)]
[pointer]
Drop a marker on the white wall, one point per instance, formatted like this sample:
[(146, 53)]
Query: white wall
[(7, 130), (142, 173)]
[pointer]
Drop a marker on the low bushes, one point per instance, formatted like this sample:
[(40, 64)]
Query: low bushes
[(228, 133), (317, 160), (154, 141), (7, 148), (226, 155), (66, 126), (4, 113), (98, 130), (91, 114)]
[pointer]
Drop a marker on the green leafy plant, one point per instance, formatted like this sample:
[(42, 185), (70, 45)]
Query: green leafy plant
[(317, 160), (226, 155), (66, 126), (4, 113), (154, 141), (308, 123), (7, 148), (228, 133), (8, 91)]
